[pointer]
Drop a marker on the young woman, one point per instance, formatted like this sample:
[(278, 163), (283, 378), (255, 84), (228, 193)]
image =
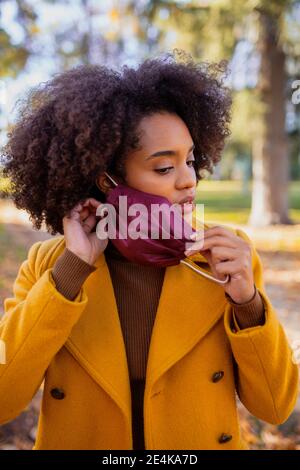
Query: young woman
[(134, 356)]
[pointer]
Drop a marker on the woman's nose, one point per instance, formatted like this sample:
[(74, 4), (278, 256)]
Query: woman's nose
[(186, 178)]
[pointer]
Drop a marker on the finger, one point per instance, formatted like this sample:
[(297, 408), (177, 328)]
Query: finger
[(219, 240), (219, 230), (208, 256), (74, 213), (208, 243), (214, 231), (233, 268), (76, 208), (95, 207), (92, 202), (84, 213), (89, 223), (220, 253), (82, 209)]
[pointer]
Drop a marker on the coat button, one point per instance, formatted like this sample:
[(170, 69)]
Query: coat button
[(225, 438), (57, 393), (218, 376)]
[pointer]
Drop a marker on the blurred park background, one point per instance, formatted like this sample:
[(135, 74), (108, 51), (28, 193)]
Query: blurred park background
[(256, 186)]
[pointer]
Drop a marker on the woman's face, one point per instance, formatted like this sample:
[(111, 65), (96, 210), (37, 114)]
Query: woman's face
[(164, 165)]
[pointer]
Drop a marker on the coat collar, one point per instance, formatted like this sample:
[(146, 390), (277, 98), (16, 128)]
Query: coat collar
[(189, 306)]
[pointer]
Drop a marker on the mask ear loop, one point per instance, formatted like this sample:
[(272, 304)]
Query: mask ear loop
[(205, 274), (116, 184)]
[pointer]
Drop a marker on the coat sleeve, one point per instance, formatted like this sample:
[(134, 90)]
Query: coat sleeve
[(36, 323), (267, 375)]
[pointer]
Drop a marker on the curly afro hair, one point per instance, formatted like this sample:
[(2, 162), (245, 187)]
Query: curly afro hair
[(84, 121)]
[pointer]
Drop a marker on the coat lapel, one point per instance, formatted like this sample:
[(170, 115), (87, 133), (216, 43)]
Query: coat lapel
[(189, 306), (96, 340)]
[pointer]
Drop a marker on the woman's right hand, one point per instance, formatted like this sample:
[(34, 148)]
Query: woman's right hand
[(78, 226)]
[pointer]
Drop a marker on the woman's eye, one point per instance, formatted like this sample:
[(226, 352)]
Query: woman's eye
[(163, 171)]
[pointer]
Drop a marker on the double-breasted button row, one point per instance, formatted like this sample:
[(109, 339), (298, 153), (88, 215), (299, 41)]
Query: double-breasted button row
[(217, 376), (57, 393)]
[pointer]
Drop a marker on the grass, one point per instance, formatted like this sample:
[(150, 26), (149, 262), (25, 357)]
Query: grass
[(225, 201), (12, 253), (3, 242), (9, 248)]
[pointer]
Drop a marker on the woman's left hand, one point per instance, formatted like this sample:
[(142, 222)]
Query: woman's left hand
[(227, 253)]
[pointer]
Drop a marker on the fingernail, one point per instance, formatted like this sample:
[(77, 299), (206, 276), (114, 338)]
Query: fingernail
[(193, 236)]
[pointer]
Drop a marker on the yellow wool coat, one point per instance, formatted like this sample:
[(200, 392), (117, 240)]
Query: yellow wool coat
[(77, 348)]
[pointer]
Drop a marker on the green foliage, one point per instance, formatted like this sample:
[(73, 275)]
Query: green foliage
[(227, 202), (12, 58)]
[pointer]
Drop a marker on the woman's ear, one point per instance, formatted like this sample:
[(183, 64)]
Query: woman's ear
[(103, 183)]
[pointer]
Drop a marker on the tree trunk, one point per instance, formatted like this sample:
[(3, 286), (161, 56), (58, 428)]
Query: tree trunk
[(270, 147)]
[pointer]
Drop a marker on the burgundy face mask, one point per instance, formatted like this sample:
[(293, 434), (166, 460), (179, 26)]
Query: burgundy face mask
[(165, 248)]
